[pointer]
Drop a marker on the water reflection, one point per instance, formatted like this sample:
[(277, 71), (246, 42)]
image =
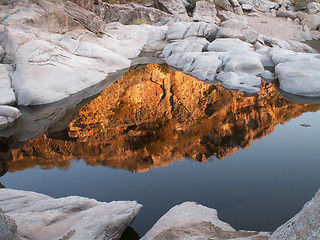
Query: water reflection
[(153, 116)]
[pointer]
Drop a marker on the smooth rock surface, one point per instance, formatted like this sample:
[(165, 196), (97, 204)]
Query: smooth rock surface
[(190, 220), (181, 30), (235, 28), (229, 44), (50, 67), (41, 217), (304, 225), (300, 78), (242, 62), (279, 55)]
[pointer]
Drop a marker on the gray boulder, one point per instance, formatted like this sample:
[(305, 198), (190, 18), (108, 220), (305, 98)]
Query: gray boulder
[(304, 225), (241, 62), (181, 30), (224, 5), (131, 14), (8, 227), (261, 5), (302, 15), (312, 21), (185, 45), (8, 115), (206, 66), (247, 7), (205, 12), (288, 44), (300, 78), (237, 29), (7, 96), (41, 217), (282, 12), (191, 220), (227, 15), (229, 44), (175, 7), (315, 35), (313, 7), (279, 55)]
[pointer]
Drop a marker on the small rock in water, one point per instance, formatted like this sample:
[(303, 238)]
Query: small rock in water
[(305, 125)]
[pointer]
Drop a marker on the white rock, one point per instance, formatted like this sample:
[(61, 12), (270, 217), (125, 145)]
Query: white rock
[(182, 60), (50, 67), (235, 28), (196, 29), (9, 111), (190, 220), (304, 225), (300, 78), (278, 55), (242, 62), (229, 44), (312, 21), (186, 45), (7, 96), (206, 66), (288, 45), (41, 217), (244, 82), (247, 7), (267, 75), (3, 122)]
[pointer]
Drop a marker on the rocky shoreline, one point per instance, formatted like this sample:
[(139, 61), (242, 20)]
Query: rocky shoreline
[(29, 215), (52, 49)]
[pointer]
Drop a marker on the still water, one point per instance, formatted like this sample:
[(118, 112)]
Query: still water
[(162, 138)]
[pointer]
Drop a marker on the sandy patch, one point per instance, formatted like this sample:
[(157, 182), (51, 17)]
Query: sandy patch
[(274, 27)]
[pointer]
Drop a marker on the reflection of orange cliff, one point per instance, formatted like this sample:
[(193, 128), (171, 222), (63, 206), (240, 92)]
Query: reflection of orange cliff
[(152, 116)]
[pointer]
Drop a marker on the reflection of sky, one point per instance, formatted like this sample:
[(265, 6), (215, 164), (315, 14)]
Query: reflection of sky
[(257, 188)]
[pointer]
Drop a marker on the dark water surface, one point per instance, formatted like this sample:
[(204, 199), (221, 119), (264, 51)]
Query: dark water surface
[(162, 138)]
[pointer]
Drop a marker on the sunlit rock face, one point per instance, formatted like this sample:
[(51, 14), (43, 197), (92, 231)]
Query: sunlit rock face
[(153, 116)]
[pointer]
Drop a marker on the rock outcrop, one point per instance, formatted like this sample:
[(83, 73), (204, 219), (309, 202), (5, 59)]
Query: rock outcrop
[(190, 220), (131, 14), (304, 225), (49, 65), (8, 227), (41, 217), (152, 117)]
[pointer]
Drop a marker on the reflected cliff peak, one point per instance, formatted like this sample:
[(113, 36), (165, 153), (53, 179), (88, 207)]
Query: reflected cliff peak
[(153, 116)]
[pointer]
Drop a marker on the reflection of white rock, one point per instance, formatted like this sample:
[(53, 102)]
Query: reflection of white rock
[(8, 115), (42, 217), (300, 78), (193, 221), (242, 82), (304, 225)]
